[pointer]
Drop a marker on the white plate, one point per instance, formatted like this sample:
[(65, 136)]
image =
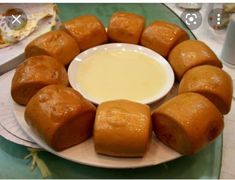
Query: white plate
[(73, 68), (84, 153)]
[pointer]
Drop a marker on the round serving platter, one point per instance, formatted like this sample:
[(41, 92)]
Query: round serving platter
[(205, 164)]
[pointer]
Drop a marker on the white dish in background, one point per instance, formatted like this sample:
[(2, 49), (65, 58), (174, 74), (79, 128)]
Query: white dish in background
[(117, 51), (12, 55)]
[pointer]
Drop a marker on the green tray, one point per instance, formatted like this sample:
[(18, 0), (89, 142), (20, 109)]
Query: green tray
[(205, 164)]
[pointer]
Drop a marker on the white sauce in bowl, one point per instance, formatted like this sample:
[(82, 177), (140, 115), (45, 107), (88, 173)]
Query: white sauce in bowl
[(120, 73)]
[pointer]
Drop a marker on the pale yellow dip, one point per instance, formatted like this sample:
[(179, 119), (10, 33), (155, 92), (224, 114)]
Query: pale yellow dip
[(120, 74)]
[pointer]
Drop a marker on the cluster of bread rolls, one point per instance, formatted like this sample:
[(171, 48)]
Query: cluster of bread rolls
[(63, 118), (194, 118)]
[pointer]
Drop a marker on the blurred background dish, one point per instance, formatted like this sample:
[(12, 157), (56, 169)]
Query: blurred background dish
[(41, 18)]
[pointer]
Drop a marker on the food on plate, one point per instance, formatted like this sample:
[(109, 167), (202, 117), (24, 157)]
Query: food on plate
[(189, 54), (224, 18), (35, 73), (88, 31), (187, 122), (61, 116), (16, 12), (122, 128), (38, 16), (211, 82), (57, 44), (162, 36), (125, 27), (229, 7)]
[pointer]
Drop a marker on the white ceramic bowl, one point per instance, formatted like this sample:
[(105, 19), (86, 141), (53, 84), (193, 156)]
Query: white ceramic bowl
[(73, 68)]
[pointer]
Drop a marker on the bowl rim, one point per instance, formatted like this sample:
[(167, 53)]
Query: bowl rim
[(73, 67)]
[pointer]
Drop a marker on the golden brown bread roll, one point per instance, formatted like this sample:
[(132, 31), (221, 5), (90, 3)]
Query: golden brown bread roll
[(35, 73), (162, 36), (125, 27), (57, 44), (87, 30), (189, 54), (122, 128), (61, 116), (211, 82), (187, 122)]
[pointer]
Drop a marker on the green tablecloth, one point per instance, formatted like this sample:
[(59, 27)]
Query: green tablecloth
[(205, 164)]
